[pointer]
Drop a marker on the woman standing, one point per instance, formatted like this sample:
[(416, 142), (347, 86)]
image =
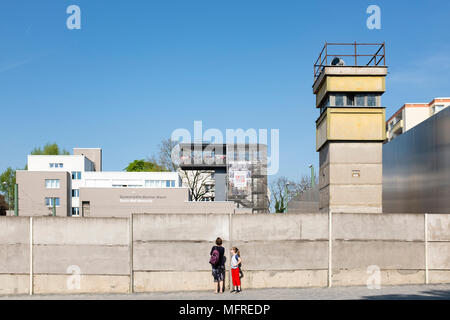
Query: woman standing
[(217, 262)]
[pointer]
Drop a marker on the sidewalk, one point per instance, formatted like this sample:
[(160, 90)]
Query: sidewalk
[(421, 292)]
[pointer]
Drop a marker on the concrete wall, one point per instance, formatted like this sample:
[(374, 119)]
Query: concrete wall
[(393, 244), (14, 255), (170, 252), (438, 253)]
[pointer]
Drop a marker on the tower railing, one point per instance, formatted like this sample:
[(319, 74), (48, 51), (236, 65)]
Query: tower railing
[(340, 50)]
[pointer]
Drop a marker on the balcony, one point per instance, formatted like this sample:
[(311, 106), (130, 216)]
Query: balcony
[(202, 161), (397, 128)]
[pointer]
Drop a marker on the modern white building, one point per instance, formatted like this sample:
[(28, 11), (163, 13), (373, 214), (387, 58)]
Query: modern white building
[(53, 182)]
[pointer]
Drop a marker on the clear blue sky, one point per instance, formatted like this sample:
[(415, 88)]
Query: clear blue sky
[(137, 70)]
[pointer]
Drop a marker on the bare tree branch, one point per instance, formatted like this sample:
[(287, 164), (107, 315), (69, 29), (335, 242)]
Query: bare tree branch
[(196, 181), (283, 190)]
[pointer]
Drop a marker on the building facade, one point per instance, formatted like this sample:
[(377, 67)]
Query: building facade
[(237, 172), (411, 114), (68, 185)]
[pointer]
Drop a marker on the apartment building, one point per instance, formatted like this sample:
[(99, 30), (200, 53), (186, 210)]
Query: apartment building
[(411, 114)]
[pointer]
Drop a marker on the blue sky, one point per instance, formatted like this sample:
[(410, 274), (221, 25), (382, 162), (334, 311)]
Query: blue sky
[(137, 70)]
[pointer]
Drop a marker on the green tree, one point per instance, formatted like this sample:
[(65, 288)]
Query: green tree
[(7, 183), (50, 149), (143, 166)]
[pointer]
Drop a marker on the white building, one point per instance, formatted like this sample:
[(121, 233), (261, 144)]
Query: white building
[(411, 114), (56, 180)]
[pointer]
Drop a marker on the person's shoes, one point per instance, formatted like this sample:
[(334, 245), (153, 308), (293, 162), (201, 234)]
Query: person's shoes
[(234, 290), (238, 291)]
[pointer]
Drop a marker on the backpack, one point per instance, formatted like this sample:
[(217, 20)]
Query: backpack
[(214, 260)]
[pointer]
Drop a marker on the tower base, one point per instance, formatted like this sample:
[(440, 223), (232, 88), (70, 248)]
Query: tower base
[(350, 177)]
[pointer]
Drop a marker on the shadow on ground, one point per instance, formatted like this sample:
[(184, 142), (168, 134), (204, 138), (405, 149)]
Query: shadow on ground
[(424, 295)]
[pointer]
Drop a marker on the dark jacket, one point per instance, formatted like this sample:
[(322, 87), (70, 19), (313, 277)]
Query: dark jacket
[(221, 254)]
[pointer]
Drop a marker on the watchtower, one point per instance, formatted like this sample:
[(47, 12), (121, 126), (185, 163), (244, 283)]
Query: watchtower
[(349, 80)]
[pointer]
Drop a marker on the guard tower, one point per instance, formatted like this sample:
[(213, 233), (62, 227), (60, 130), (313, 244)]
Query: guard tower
[(349, 80)]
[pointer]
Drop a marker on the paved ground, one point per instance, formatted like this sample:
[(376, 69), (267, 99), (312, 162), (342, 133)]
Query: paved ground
[(422, 292)]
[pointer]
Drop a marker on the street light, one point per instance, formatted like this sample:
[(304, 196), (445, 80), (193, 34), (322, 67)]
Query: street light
[(287, 195), (313, 182)]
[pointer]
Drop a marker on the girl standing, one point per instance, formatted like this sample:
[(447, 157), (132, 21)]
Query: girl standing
[(235, 268)]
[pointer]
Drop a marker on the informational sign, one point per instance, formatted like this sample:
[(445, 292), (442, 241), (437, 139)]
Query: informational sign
[(240, 179), (239, 174)]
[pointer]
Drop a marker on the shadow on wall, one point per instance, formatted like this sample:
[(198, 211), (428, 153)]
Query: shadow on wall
[(3, 205), (426, 295)]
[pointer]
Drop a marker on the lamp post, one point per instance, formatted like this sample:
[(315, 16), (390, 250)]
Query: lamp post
[(313, 182), (54, 207), (287, 196)]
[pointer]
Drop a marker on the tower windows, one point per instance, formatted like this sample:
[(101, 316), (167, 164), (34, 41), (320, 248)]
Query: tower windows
[(351, 100)]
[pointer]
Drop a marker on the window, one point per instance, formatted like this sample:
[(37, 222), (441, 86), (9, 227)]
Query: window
[(339, 100), (75, 193), (437, 108), (52, 183), (350, 99), (56, 165), (160, 183), (371, 100), (76, 175), (325, 103), (75, 212), (360, 100), (49, 202)]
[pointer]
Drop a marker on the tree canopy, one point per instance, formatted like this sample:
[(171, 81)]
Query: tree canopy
[(7, 183), (144, 166), (50, 149)]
